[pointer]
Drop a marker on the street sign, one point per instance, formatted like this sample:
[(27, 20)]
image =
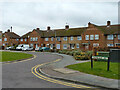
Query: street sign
[(100, 57)]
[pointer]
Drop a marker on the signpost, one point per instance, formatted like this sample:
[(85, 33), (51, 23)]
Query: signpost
[(101, 58)]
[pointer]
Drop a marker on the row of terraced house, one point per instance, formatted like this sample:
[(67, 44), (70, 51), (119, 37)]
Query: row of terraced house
[(68, 38)]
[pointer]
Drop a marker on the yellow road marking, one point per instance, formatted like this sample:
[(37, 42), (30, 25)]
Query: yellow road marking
[(37, 74), (34, 56)]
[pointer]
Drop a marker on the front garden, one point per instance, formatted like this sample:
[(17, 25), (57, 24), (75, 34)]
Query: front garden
[(77, 54)]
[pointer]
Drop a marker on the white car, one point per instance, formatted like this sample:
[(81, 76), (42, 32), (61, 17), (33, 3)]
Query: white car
[(22, 47), (27, 48)]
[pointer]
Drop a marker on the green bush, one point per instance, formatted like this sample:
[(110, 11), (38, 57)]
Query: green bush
[(81, 56)]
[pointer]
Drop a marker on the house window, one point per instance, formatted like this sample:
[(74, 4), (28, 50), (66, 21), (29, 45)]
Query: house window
[(31, 45), (51, 38), (71, 38), (21, 40), (110, 45), (58, 46), (79, 37), (25, 39), (87, 37), (64, 46), (96, 37), (51, 46), (117, 44), (17, 39), (110, 37), (65, 38), (72, 46), (95, 44), (3, 44), (46, 39), (91, 37), (77, 45), (58, 38), (31, 39), (0, 39), (36, 38), (118, 37), (5, 39)]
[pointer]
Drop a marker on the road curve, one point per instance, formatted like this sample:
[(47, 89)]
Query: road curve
[(19, 75)]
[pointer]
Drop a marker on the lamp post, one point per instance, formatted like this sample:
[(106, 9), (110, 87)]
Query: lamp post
[(55, 40), (114, 36)]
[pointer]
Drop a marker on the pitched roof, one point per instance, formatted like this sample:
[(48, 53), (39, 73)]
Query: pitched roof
[(112, 29), (12, 35), (25, 35), (63, 32)]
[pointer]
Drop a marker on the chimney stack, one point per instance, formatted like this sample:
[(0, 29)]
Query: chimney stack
[(108, 23), (8, 30), (66, 27), (38, 28), (48, 28)]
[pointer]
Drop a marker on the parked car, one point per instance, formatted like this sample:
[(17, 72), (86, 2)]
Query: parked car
[(42, 49), (27, 48), (38, 49), (45, 48), (22, 47), (9, 48)]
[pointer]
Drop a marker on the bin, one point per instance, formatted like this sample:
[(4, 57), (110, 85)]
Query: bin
[(115, 55)]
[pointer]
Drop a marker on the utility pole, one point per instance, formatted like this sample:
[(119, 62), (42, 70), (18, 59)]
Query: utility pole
[(55, 41)]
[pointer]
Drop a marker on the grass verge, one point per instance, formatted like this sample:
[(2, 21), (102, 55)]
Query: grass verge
[(11, 56), (99, 69)]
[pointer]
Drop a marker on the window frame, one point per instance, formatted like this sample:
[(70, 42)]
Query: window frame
[(92, 37), (77, 45), (46, 39), (58, 38), (96, 36), (96, 44), (110, 38), (64, 45), (71, 38), (5, 39), (65, 38), (110, 45), (86, 36), (79, 37), (21, 39)]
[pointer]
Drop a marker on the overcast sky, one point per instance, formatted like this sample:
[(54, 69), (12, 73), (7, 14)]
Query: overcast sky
[(25, 16)]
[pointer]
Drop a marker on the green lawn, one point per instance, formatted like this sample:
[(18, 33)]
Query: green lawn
[(11, 56), (99, 69)]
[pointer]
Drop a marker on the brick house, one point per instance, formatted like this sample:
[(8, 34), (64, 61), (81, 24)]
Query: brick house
[(10, 39), (84, 38), (77, 38), (24, 39)]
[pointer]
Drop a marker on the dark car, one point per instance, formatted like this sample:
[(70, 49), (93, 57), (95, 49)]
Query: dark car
[(42, 49)]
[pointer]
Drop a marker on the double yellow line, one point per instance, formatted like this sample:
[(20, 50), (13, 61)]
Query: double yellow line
[(37, 74)]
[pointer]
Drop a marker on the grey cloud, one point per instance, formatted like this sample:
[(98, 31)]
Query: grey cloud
[(27, 16)]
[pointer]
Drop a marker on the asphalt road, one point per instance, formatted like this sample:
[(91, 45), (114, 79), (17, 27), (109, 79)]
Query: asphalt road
[(18, 75)]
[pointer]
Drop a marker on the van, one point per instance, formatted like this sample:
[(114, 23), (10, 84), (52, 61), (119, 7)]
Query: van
[(22, 47)]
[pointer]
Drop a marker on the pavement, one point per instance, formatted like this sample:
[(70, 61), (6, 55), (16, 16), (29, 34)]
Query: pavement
[(57, 70)]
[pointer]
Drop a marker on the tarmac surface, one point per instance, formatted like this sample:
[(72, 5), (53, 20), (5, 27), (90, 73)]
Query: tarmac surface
[(44, 72)]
